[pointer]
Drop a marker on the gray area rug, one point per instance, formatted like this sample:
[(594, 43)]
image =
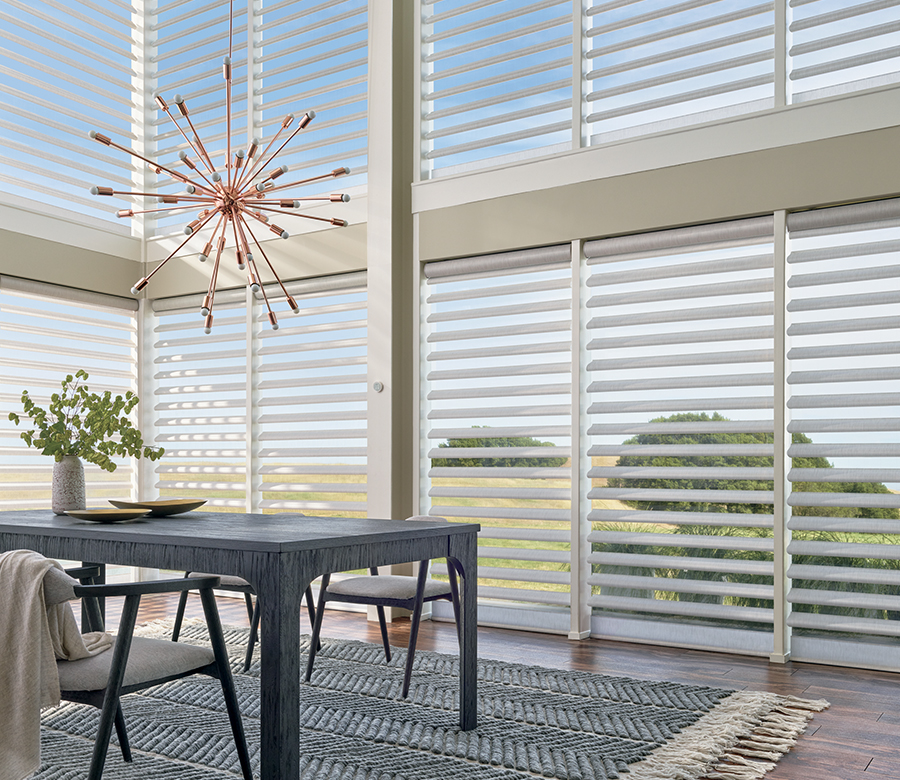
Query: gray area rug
[(533, 722)]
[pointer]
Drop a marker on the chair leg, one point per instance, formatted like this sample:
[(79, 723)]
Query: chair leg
[(217, 640), (111, 709), (254, 633), (454, 599), (179, 614), (249, 602), (317, 627), (414, 625), (382, 624), (311, 611), (122, 734)]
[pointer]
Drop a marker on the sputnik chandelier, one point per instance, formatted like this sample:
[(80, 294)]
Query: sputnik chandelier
[(233, 200)]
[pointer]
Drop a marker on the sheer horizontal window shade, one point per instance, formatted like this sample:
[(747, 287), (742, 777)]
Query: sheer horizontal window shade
[(190, 39), (312, 424), (314, 56), (678, 64), (46, 155), (845, 460), (200, 402), (497, 81), (47, 333), (681, 426), (497, 430), (842, 47)]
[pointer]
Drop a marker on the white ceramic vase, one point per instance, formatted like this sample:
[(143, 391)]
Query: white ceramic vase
[(68, 485)]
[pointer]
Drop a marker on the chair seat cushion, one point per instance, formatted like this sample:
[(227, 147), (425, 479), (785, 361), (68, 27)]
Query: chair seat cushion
[(387, 586), (149, 659), (226, 581)]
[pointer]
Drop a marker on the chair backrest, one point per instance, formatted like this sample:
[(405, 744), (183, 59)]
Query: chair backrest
[(429, 519)]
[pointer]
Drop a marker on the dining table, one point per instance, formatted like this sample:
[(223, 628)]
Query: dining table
[(279, 555)]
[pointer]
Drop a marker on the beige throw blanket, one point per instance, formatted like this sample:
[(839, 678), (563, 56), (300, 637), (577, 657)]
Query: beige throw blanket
[(32, 637)]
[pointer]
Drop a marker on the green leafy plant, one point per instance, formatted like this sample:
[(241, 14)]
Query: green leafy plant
[(89, 425)]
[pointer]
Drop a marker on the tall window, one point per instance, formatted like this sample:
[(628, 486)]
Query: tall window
[(200, 383), (497, 431), (682, 435), (660, 65), (47, 160), (288, 58), (47, 333), (262, 420), (311, 428), (845, 416), (496, 82), (839, 46)]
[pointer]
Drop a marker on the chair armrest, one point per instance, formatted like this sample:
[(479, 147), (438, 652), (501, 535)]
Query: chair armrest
[(84, 572), (150, 586)]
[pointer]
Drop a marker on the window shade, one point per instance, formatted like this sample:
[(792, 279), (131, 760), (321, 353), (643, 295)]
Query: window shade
[(46, 155), (43, 338), (845, 417), (311, 429), (842, 47), (658, 66), (496, 81), (315, 56), (191, 38), (497, 426), (201, 398), (682, 434)]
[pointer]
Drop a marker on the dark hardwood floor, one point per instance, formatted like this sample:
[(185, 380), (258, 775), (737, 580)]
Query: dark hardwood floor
[(857, 738)]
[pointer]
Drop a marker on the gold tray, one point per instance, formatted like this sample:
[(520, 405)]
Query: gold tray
[(106, 515), (163, 506)]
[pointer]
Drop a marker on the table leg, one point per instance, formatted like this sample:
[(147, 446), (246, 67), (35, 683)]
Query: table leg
[(464, 557), (279, 591)]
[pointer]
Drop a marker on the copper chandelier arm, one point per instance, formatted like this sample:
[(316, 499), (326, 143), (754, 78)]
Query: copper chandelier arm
[(291, 302), (331, 175), (142, 283), (253, 276), (190, 164), (332, 220), (302, 125), (201, 152), (111, 191), (251, 171), (132, 212), (99, 137)]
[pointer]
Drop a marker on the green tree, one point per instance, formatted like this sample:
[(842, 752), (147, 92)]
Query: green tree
[(734, 461), (486, 440), (740, 461)]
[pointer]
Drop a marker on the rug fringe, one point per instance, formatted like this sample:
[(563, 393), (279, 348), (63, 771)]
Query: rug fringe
[(754, 731)]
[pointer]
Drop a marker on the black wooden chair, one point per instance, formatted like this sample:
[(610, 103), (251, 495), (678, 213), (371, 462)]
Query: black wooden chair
[(136, 663), (388, 590), (237, 585)]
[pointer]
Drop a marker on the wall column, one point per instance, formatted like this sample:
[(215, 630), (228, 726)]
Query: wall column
[(392, 294)]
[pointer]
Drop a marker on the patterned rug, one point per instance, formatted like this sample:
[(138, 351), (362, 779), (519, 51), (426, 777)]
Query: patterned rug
[(533, 722)]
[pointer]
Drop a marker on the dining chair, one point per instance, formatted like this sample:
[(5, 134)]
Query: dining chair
[(388, 590), (136, 663), (235, 584)]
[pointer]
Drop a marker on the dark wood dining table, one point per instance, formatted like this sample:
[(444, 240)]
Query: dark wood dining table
[(279, 555)]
